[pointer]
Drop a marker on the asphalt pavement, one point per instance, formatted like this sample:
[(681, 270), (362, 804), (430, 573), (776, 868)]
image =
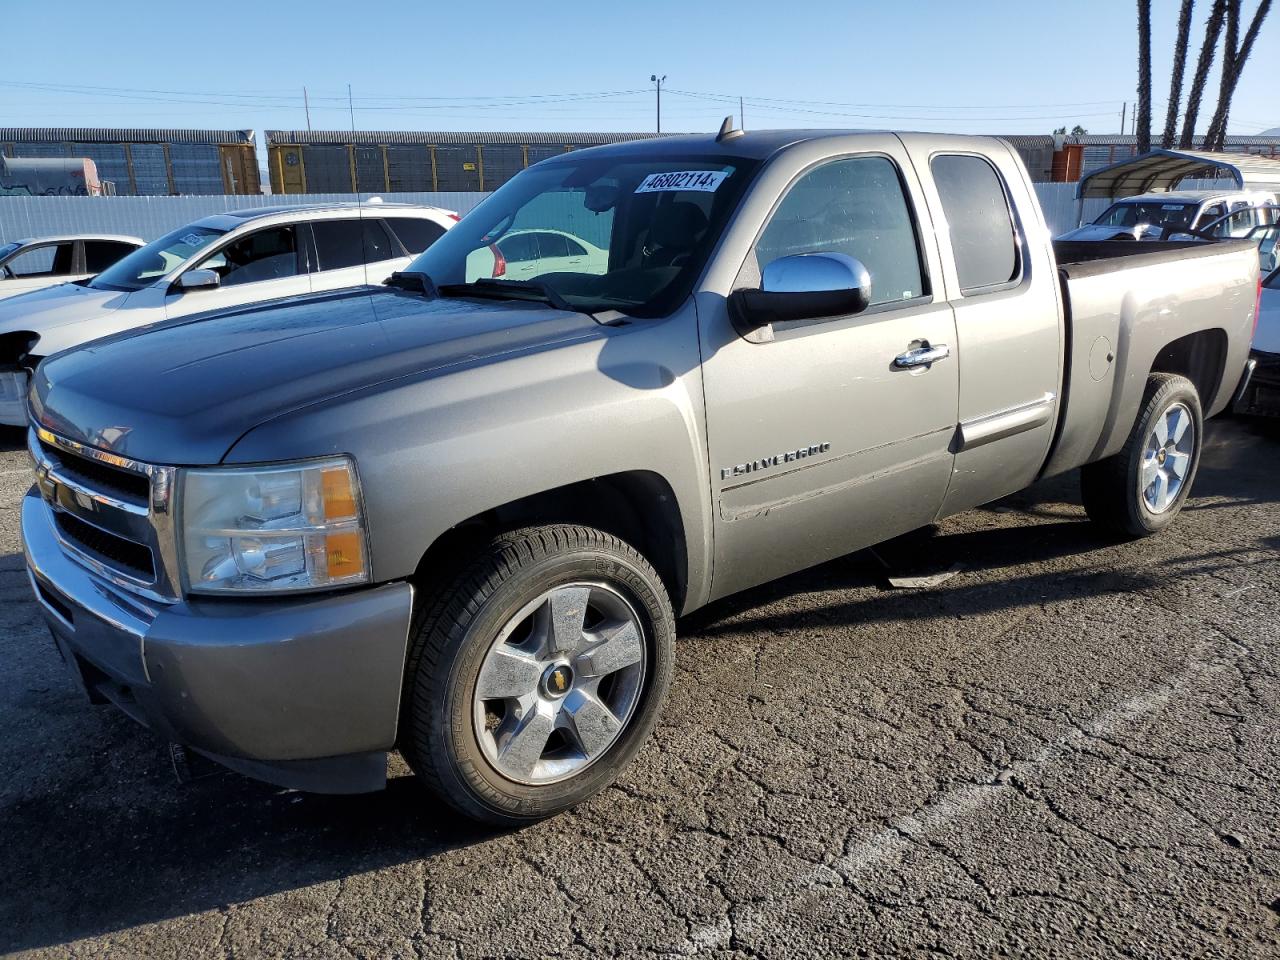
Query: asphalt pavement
[(1070, 748)]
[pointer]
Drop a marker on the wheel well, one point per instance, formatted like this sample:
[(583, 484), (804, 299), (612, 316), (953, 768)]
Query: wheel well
[(638, 507), (1200, 357)]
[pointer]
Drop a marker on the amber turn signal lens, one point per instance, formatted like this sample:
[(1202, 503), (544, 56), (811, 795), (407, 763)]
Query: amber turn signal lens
[(339, 493), (344, 554)]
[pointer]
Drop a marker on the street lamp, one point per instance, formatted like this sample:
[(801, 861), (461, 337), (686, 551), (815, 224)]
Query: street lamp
[(659, 80)]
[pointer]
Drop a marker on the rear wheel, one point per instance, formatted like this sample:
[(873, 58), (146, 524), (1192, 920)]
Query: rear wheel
[(537, 675), (1142, 488)]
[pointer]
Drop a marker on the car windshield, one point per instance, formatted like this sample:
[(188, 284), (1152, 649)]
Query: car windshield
[(8, 248), (1169, 216), (593, 232), (159, 257)]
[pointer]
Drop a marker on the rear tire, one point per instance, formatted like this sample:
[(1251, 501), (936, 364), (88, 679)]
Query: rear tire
[(536, 676), (1140, 490)]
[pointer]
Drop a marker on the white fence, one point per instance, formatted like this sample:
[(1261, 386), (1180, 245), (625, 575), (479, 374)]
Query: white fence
[(149, 217)]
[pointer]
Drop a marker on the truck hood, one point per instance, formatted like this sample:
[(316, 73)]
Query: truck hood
[(41, 311), (183, 392)]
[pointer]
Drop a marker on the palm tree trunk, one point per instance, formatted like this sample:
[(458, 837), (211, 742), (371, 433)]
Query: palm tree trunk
[(1230, 40), (1212, 29), (1179, 71), (1233, 61), (1144, 76)]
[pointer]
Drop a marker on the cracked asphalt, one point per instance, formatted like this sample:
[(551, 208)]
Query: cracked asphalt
[(1071, 748)]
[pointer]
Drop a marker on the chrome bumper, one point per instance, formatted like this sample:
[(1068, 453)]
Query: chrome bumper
[(304, 693)]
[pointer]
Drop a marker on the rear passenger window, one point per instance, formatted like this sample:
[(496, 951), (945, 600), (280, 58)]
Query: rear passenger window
[(338, 244), (100, 254), (855, 207), (415, 233), (377, 242), (350, 243), (983, 238)]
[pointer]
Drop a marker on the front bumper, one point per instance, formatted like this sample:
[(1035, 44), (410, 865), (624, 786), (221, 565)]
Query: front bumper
[(1260, 395), (300, 692)]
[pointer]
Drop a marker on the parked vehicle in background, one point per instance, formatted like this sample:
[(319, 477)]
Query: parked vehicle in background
[(459, 516), (1156, 216), (1259, 224), (1260, 395), (524, 254), (39, 262), (217, 263)]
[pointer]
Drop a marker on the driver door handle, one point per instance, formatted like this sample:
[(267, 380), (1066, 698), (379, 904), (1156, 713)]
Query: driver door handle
[(922, 356)]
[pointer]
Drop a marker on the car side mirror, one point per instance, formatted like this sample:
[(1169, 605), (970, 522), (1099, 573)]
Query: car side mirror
[(197, 280), (808, 286)]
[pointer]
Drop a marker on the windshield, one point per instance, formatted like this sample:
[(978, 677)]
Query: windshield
[(1168, 216), (159, 257), (8, 248), (598, 232)]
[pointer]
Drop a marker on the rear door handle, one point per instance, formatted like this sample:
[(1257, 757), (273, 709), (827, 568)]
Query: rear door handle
[(922, 356)]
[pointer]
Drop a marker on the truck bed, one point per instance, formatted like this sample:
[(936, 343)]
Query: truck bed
[(1126, 302)]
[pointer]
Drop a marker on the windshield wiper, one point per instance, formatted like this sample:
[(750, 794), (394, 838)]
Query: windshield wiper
[(532, 290), (414, 281)]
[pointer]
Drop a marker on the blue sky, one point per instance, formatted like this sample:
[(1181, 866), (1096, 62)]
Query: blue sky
[(980, 67)]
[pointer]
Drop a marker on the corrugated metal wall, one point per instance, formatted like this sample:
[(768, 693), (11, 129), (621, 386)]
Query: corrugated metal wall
[(149, 217)]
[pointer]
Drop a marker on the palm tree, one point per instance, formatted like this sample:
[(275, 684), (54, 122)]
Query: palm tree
[(1233, 60), (1144, 76), (1212, 28), (1179, 70)]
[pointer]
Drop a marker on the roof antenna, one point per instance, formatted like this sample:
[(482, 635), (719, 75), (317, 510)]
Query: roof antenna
[(728, 131)]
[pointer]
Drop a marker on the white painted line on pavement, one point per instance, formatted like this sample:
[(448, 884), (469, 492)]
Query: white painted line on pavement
[(941, 811)]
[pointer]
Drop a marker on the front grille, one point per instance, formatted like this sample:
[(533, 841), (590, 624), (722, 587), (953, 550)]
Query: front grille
[(102, 476), (132, 558)]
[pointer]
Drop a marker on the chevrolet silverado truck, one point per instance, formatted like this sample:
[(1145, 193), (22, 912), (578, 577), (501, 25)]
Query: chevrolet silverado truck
[(458, 515)]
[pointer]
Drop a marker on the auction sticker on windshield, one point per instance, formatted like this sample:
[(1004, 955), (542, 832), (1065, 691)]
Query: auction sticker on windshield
[(707, 181)]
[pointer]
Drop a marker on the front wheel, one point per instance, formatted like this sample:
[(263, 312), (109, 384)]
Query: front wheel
[(535, 678), (1138, 491)]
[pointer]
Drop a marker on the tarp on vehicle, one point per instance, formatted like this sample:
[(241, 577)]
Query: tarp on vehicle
[(1162, 170)]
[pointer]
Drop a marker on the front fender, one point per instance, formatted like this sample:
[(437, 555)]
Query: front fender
[(435, 451)]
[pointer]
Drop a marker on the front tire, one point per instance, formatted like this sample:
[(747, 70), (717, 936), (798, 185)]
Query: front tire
[(1140, 490), (536, 676)]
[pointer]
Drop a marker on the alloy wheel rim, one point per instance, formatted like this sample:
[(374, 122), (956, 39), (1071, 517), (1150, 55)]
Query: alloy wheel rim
[(1166, 458), (559, 684)]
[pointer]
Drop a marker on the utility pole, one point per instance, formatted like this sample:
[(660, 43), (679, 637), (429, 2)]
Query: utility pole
[(1124, 107), (306, 105), (742, 118), (659, 81)]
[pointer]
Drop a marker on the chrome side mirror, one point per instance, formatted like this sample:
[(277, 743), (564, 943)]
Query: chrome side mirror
[(807, 286), (197, 280)]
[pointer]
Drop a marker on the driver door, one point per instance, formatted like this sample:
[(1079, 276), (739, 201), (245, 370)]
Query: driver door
[(819, 443), (263, 265)]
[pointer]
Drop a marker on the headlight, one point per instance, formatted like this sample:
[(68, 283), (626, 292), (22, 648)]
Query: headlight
[(292, 527)]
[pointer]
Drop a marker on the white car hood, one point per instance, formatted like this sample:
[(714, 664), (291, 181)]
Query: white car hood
[(1097, 231), (44, 311), (1267, 337)]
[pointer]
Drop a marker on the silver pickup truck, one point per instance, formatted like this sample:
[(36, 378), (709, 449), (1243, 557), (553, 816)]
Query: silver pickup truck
[(458, 515)]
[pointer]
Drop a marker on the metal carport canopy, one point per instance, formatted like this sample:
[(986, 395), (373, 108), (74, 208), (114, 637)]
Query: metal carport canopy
[(1161, 170)]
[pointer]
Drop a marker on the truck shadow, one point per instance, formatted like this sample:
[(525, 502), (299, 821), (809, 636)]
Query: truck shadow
[(98, 837)]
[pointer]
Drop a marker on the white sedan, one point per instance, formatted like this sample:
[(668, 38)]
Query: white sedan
[(526, 254), (40, 262), (217, 263)]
